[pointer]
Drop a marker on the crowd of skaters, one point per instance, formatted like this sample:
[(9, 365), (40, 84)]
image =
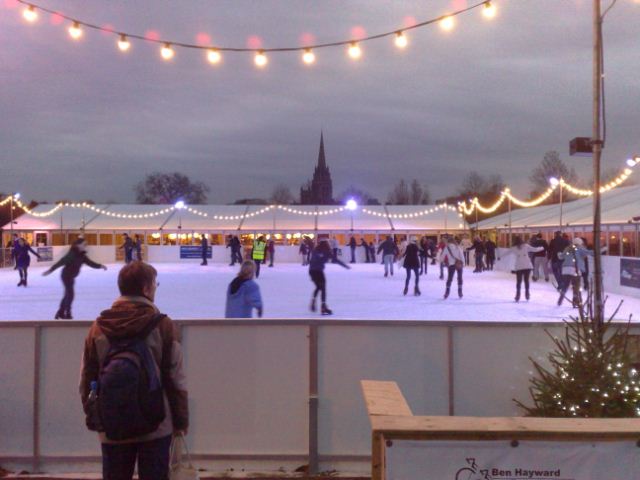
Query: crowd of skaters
[(563, 261)]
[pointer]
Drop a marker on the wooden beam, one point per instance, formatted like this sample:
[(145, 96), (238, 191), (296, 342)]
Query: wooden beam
[(384, 398)]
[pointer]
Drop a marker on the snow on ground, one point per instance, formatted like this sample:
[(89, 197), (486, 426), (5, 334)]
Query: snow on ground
[(189, 291)]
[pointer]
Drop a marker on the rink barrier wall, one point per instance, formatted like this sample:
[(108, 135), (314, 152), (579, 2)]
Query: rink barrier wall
[(270, 392)]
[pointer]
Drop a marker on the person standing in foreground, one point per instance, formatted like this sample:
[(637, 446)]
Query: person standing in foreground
[(72, 262), (411, 263), (258, 252), (243, 294), (453, 258), (320, 256), (132, 318), (389, 251), (523, 264), (23, 260), (204, 243)]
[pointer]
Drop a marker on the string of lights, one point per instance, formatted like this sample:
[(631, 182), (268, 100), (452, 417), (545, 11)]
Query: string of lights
[(214, 52), (469, 208), (421, 213)]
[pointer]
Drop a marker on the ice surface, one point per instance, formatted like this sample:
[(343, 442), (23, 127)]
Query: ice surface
[(190, 291)]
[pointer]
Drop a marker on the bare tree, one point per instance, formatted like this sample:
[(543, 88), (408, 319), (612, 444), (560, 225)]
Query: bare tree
[(419, 194), (160, 187), (551, 166), (282, 195), (400, 195), (473, 185)]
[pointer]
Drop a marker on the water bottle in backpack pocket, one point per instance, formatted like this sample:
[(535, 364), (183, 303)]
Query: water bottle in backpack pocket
[(131, 399)]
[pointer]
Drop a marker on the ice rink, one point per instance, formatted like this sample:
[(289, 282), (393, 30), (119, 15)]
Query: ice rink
[(189, 291)]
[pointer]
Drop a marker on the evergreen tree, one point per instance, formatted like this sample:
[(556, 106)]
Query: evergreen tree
[(591, 374)]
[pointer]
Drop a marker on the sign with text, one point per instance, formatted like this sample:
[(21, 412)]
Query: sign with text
[(46, 254), (630, 272), (499, 460), (192, 251)]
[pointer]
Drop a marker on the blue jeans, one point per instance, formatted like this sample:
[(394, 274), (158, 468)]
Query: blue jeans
[(388, 263), (118, 460)]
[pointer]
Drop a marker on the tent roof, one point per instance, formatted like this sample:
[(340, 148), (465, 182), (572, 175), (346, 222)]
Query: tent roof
[(618, 206), (242, 217)]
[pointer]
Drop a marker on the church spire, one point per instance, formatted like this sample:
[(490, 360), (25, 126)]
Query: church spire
[(322, 163)]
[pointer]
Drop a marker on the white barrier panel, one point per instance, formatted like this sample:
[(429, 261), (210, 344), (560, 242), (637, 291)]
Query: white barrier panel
[(250, 384), (499, 460)]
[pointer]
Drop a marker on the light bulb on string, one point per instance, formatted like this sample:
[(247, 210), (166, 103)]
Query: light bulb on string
[(308, 56), (167, 52), (123, 43), (489, 11), (447, 23), (401, 40), (261, 59), (354, 51), (214, 56), (30, 14), (75, 31)]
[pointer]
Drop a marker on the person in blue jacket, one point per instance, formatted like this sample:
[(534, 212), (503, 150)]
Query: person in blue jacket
[(23, 259), (574, 260), (243, 293), (321, 255)]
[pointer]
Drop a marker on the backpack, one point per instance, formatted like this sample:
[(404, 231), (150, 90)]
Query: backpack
[(130, 394)]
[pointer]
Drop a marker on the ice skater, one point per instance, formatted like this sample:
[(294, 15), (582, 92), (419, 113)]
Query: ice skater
[(235, 246), (204, 243), (304, 252), (412, 264), (523, 264), (243, 294), (321, 255), (258, 252), (556, 246), (453, 257), (478, 250), (23, 259), (127, 246), (352, 246), (540, 260), (137, 247), (573, 260), (71, 263), (389, 251), (490, 252), (424, 255), (271, 249)]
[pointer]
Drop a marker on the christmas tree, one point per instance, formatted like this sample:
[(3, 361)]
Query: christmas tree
[(590, 372)]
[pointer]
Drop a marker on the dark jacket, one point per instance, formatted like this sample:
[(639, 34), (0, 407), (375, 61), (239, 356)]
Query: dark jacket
[(540, 242), (320, 257), (490, 249), (352, 242), (126, 318), (388, 247), (478, 246), (556, 245), (411, 259), (21, 255), (72, 261), (127, 245), (234, 244)]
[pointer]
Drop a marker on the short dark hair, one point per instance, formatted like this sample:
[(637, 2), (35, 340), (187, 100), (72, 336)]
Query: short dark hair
[(134, 276)]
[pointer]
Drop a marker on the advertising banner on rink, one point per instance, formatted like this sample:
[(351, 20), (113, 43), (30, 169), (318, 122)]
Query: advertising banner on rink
[(499, 460), (193, 251), (46, 254)]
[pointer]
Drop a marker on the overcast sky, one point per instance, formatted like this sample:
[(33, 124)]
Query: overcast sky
[(81, 120)]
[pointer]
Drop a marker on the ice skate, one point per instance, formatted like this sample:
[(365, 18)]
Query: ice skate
[(312, 307), (416, 292), (459, 292), (406, 289), (325, 310), (446, 293), (517, 299)]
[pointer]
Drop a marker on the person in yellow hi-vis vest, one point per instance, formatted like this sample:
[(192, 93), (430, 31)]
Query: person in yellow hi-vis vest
[(257, 253)]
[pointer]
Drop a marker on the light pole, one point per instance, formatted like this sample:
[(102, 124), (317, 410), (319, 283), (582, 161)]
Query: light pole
[(509, 204), (596, 141)]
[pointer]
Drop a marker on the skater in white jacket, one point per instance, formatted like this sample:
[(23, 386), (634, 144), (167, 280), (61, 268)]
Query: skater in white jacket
[(523, 264)]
